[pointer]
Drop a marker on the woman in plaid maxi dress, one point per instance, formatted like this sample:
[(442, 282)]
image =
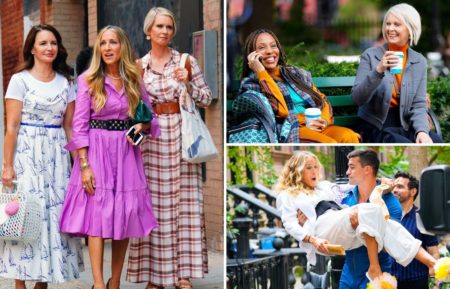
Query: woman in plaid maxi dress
[(176, 252)]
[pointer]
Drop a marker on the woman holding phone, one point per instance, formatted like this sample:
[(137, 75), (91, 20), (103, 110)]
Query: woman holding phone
[(108, 196), (289, 89)]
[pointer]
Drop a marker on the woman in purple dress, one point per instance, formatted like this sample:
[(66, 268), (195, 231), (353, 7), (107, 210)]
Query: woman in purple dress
[(108, 197)]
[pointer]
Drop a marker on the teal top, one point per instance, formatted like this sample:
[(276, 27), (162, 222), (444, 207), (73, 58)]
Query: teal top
[(299, 103)]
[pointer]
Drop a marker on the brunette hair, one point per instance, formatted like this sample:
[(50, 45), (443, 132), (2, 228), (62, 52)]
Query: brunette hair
[(250, 46), (59, 64)]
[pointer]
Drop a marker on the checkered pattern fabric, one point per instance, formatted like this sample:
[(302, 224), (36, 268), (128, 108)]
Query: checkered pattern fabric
[(177, 249)]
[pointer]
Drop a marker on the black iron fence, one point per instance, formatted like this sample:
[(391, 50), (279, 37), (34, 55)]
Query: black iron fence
[(262, 273)]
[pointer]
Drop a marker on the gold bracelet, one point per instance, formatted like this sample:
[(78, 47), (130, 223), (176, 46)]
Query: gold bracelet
[(83, 166)]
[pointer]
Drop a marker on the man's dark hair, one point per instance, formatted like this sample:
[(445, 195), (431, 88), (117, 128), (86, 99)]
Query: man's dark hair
[(367, 157), (83, 60), (413, 182)]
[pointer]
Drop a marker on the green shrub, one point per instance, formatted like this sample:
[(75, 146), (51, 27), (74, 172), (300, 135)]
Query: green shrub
[(439, 90), (312, 59)]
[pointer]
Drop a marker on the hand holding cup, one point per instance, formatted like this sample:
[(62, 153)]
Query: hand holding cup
[(313, 119), (391, 60)]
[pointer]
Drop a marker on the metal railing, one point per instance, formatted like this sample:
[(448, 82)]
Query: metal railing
[(262, 273)]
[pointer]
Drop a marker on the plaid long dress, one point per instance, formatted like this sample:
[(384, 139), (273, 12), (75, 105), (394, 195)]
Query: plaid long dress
[(177, 249)]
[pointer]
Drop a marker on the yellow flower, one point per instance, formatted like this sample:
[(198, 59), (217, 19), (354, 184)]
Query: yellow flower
[(386, 285), (442, 269), (385, 281)]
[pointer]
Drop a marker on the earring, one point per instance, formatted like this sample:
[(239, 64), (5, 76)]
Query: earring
[(148, 37)]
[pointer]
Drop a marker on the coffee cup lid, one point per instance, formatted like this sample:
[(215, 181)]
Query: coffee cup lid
[(312, 111)]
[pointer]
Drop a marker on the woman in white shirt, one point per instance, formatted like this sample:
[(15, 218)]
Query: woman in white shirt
[(39, 104), (328, 222)]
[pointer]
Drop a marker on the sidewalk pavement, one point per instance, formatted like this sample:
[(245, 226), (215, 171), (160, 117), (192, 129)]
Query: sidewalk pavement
[(213, 280)]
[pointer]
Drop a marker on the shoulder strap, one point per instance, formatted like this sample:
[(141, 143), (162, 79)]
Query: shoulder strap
[(185, 62)]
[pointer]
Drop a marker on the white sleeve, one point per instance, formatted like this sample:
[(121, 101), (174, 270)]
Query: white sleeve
[(16, 88), (335, 192), (72, 93), (286, 206)]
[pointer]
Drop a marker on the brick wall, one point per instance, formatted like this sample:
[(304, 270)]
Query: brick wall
[(92, 21), (12, 37), (68, 17), (213, 188)]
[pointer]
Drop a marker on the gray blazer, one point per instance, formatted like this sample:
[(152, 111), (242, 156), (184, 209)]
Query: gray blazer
[(372, 91)]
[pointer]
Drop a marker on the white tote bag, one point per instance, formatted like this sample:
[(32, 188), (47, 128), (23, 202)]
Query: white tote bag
[(196, 142)]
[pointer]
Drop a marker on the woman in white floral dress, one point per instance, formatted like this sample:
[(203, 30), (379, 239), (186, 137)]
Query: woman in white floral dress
[(39, 109)]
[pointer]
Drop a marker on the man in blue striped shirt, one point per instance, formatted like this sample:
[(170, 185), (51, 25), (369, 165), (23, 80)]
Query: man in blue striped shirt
[(415, 275)]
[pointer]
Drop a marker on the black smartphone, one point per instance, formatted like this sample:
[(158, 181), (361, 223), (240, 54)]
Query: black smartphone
[(137, 138)]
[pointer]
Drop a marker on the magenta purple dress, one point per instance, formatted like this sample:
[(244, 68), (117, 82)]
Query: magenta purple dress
[(121, 206)]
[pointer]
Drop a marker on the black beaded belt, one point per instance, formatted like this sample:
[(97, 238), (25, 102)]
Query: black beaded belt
[(111, 124)]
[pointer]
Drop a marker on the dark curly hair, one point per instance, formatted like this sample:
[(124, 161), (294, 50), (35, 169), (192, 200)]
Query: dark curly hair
[(413, 181)]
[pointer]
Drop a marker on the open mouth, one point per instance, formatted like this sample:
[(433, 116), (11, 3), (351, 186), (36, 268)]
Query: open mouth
[(270, 60)]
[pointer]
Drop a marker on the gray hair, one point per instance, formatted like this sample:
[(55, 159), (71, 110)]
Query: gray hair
[(151, 16), (410, 17)]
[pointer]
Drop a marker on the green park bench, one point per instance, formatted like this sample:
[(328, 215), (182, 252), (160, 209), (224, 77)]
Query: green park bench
[(338, 91), (344, 109)]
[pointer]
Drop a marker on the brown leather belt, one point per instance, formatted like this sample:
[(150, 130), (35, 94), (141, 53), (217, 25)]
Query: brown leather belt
[(166, 108)]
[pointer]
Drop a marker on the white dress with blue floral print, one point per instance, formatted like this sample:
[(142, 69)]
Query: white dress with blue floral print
[(42, 167)]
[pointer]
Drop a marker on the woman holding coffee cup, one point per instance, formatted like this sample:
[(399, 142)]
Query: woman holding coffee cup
[(289, 89), (390, 86)]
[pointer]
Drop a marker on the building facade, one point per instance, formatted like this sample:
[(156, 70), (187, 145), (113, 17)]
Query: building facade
[(78, 21)]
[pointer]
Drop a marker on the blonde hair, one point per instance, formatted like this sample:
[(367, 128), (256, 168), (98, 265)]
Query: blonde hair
[(128, 69), (291, 176), (151, 16), (410, 17)]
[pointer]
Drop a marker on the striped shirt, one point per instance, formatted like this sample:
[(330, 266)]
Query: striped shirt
[(415, 270)]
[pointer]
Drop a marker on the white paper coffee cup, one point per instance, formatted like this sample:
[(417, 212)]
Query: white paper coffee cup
[(311, 114), (397, 69)]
